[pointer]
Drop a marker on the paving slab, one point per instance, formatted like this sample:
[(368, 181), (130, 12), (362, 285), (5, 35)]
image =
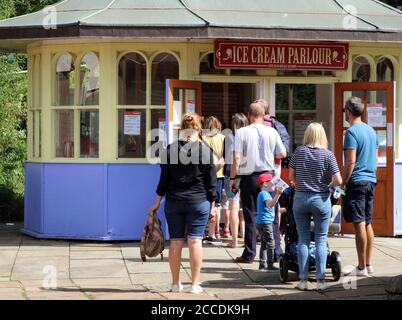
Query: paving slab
[(160, 282), (88, 255), (45, 252), (101, 282), (98, 268), (187, 296), (11, 294), (151, 266), (36, 268)]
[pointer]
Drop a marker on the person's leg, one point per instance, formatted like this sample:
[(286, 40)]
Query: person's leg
[(196, 218), (248, 186), (176, 224), (361, 243), (320, 206), (212, 224), (354, 207), (242, 223), (234, 220), (369, 227), (195, 249), (302, 218), (175, 249), (270, 246), (370, 240), (263, 247)]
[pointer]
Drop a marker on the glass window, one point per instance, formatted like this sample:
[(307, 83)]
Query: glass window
[(158, 126), (207, 65), (164, 66), (132, 80), (132, 133), (89, 80), (361, 70), (65, 80), (385, 70), (296, 107), (89, 134), (64, 126)]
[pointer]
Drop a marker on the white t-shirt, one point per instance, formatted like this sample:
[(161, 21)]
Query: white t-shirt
[(257, 145)]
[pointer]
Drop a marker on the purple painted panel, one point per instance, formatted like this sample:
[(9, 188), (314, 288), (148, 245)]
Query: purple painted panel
[(89, 201), (33, 197), (74, 200), (131, 190)]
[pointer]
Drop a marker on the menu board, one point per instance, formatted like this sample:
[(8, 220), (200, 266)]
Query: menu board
[(190, 107), (132, 123), (375, 116)]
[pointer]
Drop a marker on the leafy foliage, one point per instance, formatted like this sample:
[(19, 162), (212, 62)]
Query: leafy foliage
[(13, 117)]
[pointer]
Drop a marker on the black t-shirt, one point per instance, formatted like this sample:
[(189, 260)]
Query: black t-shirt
[(188, 173)]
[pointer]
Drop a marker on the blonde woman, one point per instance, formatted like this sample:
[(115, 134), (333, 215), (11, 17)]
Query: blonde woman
[(313, 169), (188, 181)]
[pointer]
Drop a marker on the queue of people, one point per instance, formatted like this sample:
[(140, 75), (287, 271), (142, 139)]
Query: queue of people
[(243, 164)]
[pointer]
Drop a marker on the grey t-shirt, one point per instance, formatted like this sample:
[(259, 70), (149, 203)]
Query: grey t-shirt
[(257, 145)]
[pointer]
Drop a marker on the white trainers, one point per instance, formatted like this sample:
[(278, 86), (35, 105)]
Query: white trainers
[(195, 289), (176, 287), (302, 285), (356, 272), (370, 269), (322, 285)]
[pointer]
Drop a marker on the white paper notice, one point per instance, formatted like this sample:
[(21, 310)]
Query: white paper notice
[(162, 124), (177, 112), (301, 124), (375, 117), (132, 123), (190, 106), (279, 183)]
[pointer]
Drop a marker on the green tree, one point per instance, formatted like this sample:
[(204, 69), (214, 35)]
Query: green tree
[(13, 116)]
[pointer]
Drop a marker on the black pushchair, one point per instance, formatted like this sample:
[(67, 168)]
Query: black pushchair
[(288, 260)]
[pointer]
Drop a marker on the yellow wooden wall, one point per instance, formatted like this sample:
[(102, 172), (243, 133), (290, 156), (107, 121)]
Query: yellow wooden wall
[(41, 87)]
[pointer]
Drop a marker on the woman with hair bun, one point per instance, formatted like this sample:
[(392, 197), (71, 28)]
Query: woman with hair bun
[(188, 181)]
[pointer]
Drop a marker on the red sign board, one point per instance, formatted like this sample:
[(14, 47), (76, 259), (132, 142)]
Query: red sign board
[(280, 55)]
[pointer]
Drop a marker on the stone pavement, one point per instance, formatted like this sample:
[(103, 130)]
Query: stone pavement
[(96, 271)]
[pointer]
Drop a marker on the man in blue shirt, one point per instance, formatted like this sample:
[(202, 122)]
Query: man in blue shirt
[(359, 177)]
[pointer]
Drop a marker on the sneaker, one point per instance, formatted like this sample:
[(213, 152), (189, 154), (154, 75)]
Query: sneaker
[(195, 289), (356, 272), (322, 285), (226, 234), (206, 239), (370, 269), (272, 269), (176, 287), (262, 266), (214, 241), (302, 285)]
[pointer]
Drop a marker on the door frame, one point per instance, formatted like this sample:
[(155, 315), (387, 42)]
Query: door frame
[(389, 87)]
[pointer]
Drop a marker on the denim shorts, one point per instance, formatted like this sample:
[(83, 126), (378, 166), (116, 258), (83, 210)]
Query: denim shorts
[(193, 216), (229, 194)]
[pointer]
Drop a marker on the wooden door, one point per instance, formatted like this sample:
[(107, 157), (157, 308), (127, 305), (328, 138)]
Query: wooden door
[(378, 99), (182, 96)]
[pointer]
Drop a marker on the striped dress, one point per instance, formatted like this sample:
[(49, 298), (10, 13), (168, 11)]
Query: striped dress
[(314, 169)]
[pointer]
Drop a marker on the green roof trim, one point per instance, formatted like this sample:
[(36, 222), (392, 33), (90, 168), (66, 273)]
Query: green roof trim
[(367, 20)]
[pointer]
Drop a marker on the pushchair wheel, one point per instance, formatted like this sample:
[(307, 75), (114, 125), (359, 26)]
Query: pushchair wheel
[(283, 268), (336, 265)]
